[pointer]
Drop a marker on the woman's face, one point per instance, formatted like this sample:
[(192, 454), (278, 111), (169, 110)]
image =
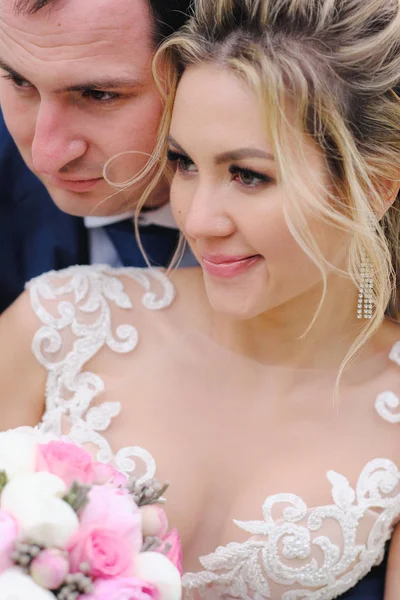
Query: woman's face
[(228, 201)]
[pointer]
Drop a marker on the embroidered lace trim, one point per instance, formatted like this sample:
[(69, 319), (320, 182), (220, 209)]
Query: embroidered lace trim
[(70, 389), (246, 571), (387, 402)]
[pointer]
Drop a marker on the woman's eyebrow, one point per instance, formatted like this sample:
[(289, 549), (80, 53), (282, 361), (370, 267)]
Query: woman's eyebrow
[(242, 153)]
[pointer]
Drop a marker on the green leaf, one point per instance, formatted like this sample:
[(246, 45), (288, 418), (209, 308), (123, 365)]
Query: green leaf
[(3, 480), (77, 496)]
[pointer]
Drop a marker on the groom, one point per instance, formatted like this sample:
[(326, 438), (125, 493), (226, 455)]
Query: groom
[(75, 90)]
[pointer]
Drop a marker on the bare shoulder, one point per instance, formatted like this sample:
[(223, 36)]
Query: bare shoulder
[(38, 325), (43, 324), (387, 336), (22, 379), (177, 299)]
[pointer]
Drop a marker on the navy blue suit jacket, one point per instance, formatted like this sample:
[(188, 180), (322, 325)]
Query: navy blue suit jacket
[(35, 236)]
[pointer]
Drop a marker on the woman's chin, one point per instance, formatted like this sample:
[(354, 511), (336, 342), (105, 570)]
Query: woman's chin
[(242, 298), (239, 307)]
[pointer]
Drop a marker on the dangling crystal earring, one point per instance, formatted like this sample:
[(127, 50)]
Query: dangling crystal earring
[(364, 306)]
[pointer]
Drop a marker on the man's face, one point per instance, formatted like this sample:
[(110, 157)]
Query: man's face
[(76, 89)]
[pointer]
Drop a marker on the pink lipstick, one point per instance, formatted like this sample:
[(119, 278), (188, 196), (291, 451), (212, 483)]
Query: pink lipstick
[(219, 265)]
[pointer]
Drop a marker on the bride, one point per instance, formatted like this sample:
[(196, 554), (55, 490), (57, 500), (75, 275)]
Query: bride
[(263, 385)]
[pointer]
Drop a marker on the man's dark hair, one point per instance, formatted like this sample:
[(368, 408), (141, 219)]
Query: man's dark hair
[(169, 15)]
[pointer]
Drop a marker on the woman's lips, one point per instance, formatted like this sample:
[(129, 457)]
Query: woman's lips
[(228, 266)]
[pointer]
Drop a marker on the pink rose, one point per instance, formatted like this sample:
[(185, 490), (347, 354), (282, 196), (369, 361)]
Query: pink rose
[(110, 533), (107, 553), (126, 588), (172, 548), (66, 460), (8, 537), (72, 463)]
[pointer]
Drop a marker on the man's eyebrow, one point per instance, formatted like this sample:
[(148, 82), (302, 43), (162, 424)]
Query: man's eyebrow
[(101, 84), (232, 155), (106, 83)]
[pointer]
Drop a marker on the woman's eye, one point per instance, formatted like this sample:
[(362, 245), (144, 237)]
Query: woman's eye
[(183, 162), (248, 178)]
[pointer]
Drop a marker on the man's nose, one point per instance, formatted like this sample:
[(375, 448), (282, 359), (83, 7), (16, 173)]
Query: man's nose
[(56, 143)]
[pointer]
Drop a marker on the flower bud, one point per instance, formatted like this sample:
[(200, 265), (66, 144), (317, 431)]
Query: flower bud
[(50, 568), (154, 521)]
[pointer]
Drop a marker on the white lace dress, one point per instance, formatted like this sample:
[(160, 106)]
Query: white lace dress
[(293, 551)]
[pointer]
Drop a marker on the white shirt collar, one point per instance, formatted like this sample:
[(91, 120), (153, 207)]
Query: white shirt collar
[(160, 216), (94, 222)]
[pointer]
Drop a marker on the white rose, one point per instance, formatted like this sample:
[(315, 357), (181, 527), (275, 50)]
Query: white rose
[(156, 568), (18, 450), (35, 502), (15, 585)]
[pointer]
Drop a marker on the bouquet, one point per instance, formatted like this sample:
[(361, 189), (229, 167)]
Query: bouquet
[(73, 528)]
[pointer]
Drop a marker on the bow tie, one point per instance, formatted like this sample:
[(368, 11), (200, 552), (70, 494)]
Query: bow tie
[(158, 242)]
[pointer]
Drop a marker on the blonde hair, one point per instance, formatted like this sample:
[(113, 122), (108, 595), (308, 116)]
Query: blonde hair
[(338, 63)]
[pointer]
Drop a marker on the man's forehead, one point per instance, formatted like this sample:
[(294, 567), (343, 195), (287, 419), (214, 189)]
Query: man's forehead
[(91, 21)]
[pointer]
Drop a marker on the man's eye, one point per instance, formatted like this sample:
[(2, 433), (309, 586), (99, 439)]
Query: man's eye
[(100, 96), (18, 81)]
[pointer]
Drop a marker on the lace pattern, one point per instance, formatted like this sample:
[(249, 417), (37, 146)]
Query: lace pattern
[(387, 402), (246, 571), (289, 549), (70, 389)]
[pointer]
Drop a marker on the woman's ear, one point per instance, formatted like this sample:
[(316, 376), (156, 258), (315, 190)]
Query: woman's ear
[(388, 190)]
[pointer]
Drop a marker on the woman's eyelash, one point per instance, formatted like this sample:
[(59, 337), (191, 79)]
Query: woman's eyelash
[(236, 170), (174, 156), (184, 164), (245, 177)]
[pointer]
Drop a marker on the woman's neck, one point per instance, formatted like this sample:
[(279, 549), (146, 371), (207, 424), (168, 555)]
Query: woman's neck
[(282, 336)]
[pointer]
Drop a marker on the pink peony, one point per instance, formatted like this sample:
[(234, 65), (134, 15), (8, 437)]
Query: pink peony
[(172, 548), (126, 588), (50, 568), (66, 460), (8, 537), (110, 534), (112, 508)]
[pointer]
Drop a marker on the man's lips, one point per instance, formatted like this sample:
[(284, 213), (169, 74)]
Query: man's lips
[(74, 185), (221, 265)]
